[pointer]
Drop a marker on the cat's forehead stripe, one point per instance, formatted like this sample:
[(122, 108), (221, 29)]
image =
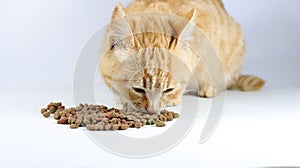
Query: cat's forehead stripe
[(153, 57)]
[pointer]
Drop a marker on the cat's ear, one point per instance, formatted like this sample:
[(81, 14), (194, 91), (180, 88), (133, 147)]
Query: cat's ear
[(186, 27), (120, 35), (118, 12)]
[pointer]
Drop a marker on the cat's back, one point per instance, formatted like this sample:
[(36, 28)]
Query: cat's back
[(211, 18), (204, 8)]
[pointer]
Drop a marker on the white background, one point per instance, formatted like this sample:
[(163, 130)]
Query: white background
[(40, 41)]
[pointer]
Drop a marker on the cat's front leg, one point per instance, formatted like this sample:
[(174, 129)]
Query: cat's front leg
[(175, 102), (208, 91)]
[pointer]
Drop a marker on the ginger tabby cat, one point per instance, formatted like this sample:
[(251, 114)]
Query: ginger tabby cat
[(147, 60)]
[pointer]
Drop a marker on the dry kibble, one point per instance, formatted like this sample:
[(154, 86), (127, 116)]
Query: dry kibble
[(130, 118), (122, 116), (123, 121), (131, 124), (52, 109), (77, 122), (108, 127), (100, 127), (160, 124), (90, 127), (164, 112), (162, 118), (151, 121), (73, 112), (57, 104), (43, 110), (46, 114), (71, 120), (138, 124), (67, 114), (74, 126), (116, 127), (101, 118), (56, 116), (63, 120), (170, 118), (124, 126), (60, 108), (144, 121), (114, 121), (175, 115), (147, 116)]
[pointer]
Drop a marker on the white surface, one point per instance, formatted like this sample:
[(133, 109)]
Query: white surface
[(257, 129)]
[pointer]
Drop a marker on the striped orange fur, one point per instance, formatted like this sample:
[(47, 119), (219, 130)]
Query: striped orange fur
[(146, 60)]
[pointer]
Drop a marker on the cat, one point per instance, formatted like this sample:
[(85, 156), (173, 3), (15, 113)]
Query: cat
[(148, 64)]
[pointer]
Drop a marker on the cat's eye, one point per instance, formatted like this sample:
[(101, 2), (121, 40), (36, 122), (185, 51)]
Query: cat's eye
[(139, 90), (169, 90)]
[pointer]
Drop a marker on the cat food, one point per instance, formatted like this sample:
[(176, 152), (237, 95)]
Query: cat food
[(160, 124), (74, 126), (46, 114), (102, 118)]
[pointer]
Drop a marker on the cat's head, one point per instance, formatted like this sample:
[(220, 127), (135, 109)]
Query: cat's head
[(151, 89), (152, 69)]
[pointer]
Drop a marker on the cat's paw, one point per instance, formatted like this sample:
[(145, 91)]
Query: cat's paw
[(173, 103), (208, 91)]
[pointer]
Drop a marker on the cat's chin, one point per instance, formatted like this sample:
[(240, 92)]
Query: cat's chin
[(151, 113)]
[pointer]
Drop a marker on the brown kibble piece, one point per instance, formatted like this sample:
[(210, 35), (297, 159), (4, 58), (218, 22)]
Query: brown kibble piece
[(90, 127), (86, 122), (144, 121), (46, 114), (73, 112), (60, 108), (164, 112), (57, 104), (100, 127), (108, 127), (77, 122), (56, 116), (138, 124), (162, 118), (63, 120), (160, 124), (43, 110), (131, 124), (169, 117), (124, 126), (114, 121), (74, 126), (116, 127)]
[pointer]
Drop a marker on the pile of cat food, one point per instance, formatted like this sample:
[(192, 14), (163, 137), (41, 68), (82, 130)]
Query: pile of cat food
[(102, 118)]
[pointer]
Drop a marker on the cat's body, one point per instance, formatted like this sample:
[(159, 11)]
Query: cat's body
[(149, 64)]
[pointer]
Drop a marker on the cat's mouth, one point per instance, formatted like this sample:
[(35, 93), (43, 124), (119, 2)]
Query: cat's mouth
[(150, 111)]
